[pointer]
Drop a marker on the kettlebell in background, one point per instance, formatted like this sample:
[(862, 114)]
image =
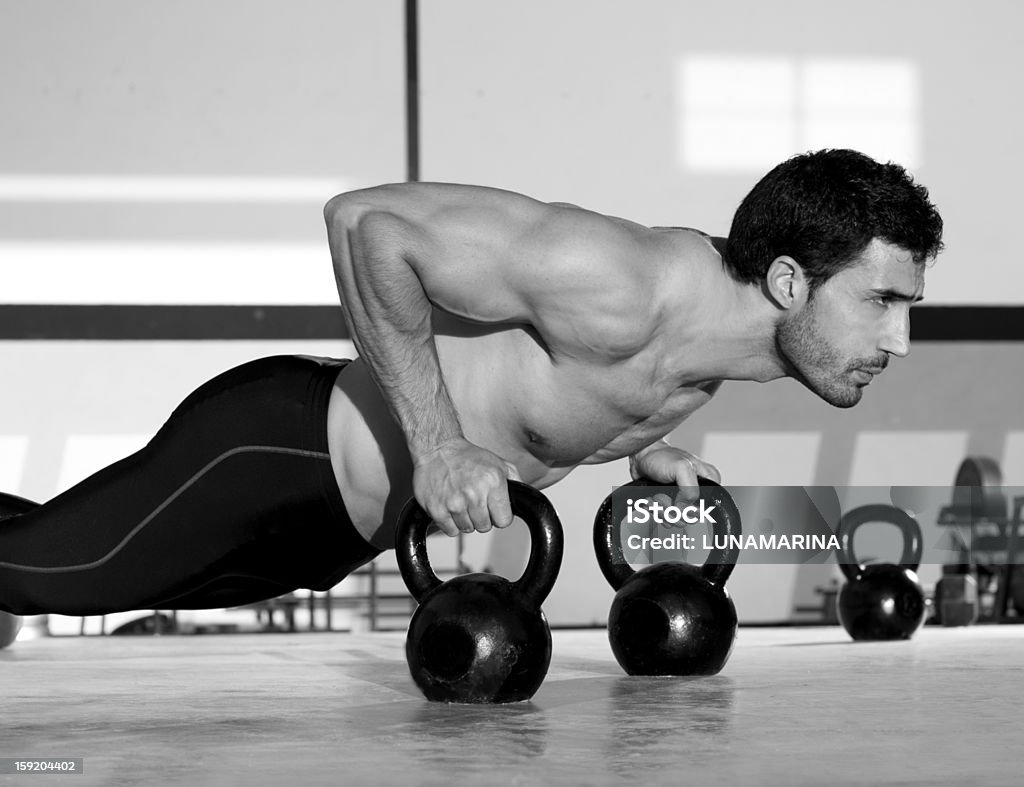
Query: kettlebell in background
[(956, 600), (669, 618), (480, 638), (880, 601)]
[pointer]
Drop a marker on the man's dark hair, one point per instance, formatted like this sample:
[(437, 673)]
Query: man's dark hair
[(823, 209)]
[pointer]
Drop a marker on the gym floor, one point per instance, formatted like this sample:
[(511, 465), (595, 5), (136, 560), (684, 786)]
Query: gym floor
[(792, 706)]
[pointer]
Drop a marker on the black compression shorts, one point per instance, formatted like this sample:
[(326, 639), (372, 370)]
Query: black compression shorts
[(233, 501)]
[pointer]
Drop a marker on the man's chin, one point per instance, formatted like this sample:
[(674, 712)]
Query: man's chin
[(842, 397)]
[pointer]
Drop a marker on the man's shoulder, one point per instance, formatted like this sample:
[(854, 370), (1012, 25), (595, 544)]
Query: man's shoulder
[(623, 243)]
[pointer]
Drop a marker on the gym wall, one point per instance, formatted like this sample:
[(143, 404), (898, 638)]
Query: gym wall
[(175, 157)]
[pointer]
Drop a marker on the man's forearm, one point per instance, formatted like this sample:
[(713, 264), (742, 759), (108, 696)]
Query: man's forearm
[(389, 318)]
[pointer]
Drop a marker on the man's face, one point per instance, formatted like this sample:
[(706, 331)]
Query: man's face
[(846, 332)]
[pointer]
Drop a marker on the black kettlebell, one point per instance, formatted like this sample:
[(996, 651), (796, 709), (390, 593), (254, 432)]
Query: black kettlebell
[(880, 601), (669, 618), (479, 637)]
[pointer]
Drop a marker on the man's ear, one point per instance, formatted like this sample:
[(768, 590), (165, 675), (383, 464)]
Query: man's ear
[(785, 282)]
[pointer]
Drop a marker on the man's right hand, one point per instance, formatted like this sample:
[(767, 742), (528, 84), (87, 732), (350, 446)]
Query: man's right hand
[(464, 487)]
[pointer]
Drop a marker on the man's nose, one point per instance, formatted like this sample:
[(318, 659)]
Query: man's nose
[(896, 340)]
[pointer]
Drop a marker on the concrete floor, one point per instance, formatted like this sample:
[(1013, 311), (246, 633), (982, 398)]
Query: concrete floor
[(793, 706)]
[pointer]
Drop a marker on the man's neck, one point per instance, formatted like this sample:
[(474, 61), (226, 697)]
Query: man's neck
[(722, 330)]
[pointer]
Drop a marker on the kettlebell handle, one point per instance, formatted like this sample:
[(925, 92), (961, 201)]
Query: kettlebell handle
[(608, 535), (878, 512), (545, 548)]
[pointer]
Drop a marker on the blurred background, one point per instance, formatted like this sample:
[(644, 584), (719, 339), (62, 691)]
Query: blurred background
[(163, 168)]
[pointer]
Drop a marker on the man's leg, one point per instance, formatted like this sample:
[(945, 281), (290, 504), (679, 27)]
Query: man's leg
[(233, 501)]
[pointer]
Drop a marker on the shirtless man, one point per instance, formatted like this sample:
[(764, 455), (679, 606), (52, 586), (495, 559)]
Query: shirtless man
[(498, 337)]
